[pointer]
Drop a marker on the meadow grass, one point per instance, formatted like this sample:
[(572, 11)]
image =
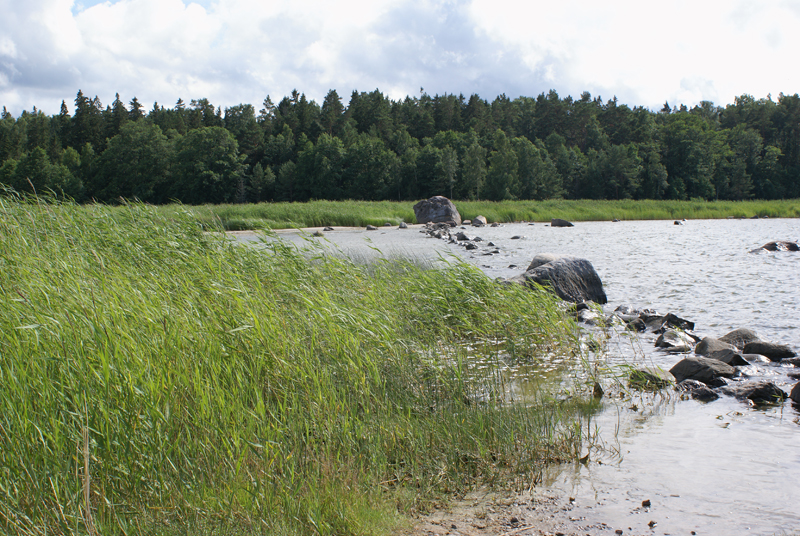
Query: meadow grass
[(156, 378), (363, 213)]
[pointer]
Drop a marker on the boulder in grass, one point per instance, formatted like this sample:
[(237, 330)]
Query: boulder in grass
[(650, 379), (557, 222), (758, 392), (739, 337), (702, 369), (437, 209), (710, 344), (697, 390), (572, 279), (772, 351)]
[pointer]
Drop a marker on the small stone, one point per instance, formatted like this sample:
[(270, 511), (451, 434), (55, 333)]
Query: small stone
[(515, 237), (453, 526), (646, 503), (652, 524), (618, 531), (371, 228), (513, 520)]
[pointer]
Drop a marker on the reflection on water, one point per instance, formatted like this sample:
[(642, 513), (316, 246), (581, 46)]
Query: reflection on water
[(715, 468)]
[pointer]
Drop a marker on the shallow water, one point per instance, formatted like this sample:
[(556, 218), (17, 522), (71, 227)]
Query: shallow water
[(716, 468)]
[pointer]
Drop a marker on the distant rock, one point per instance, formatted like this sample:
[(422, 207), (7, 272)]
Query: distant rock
[(403, 225), (772, 351), (328, 229), (678, 223), (317, 233), (479, 221), (437, 209), (371, 228), (702, 369), (556, 222), (780, 245)]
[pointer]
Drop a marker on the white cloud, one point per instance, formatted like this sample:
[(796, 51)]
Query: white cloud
[(233, 51)]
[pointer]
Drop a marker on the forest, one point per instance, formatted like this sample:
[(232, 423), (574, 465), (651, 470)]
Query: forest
[(376, 148)]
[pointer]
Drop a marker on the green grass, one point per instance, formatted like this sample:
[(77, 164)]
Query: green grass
[(363, 213), (159, 379)]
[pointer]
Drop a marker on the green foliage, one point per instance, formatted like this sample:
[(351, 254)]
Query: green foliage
[(208, 167), (161, 379)]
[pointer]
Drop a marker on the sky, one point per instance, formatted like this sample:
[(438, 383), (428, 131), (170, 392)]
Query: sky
[(240, 51)]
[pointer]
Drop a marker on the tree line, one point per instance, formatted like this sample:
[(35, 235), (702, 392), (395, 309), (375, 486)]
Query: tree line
[(376, 148)]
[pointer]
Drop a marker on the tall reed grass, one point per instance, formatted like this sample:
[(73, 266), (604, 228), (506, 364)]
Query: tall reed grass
[(159, 379), (363, 213)]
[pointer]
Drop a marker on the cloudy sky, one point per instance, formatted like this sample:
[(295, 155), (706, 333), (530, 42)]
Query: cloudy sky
[(240, 51)]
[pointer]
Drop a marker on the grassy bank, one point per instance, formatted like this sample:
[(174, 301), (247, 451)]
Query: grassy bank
[(158, 379), (363, 213)]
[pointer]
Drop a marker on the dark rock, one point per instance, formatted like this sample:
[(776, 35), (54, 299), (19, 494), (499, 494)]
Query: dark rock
[(328, 229), (462, 236), (571, 279), (678, 223), (772, 351), (477, 239), (615, 220), (556, 222), (387, 224), (491, 244), (739, 337), (589, 316), (697, 390), (793, 361), (471, 246), (371, 228), (702, 369), (660, 323), (403, 225), (479, 221), (515, 237), (637, 324), (780, 245), (650, 379), (675, 341), (728, 356), (795, 394), (317, 233), (759, 392), (710, 344), (495, 224), (437, 209), (544, 258)]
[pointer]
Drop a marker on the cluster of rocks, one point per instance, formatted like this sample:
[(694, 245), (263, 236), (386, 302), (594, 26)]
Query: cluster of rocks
[(715, 366), (446, 231)]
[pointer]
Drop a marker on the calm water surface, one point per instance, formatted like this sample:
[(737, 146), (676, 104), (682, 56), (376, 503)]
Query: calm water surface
[(716, 468)]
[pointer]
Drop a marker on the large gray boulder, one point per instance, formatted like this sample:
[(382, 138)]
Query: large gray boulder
[(675, 341), (729, 357), (437, 209), (772, 351), (571, 278), (702, 369), (479, 221)]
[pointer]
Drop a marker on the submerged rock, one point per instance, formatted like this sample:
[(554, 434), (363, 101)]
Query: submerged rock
[(650, 379), (710, 344), (759, 392), (557, 222), (697, 390), (795, 394), (772, 351), (702, 369), (660, 323), (729, 357), (779, 245), (437, 209)]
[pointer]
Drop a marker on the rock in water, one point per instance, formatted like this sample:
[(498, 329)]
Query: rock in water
[(758, 392), (739, 337), (697, 390), (795, 395), (780, 245), (729, 357), (572, 279), (772, 351), (650, 379), (675, 341), (437, 209), (556, 222), (710, 344), (702, 369), (479, 221)]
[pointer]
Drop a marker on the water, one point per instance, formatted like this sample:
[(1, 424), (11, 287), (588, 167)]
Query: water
[(716, 468)]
